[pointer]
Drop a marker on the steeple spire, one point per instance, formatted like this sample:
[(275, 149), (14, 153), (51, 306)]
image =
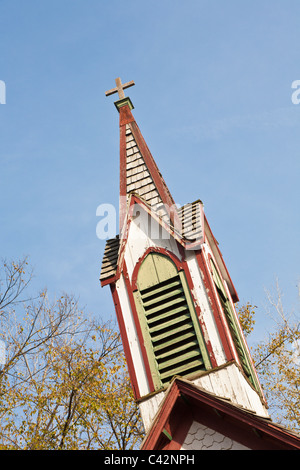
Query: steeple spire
[(139, 173)]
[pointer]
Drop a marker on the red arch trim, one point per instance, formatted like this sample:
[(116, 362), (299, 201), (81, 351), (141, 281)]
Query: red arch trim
[(162, 251)]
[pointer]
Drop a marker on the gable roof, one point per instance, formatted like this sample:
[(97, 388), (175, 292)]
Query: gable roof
[(183, 398), (191, 224), (194, 227)]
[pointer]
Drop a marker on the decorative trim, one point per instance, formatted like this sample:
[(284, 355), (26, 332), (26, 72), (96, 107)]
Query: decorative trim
[(124, 102), (162, 251)]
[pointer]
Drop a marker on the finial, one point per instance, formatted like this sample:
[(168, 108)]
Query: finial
[(120, 88)]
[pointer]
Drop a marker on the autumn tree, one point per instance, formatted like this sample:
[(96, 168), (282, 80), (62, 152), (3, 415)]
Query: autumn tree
[(277, 359), (63, 384)]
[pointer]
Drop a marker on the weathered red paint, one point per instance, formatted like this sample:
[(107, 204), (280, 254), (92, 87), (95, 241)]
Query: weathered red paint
[(126, 115), (122, 213), (218, 315), (179, 265), (198, 311)]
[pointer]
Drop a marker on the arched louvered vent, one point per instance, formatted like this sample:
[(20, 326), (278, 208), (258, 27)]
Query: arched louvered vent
[(172, 328)]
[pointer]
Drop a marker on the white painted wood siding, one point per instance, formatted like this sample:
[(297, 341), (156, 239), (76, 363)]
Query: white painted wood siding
[(229, 382), (201, 297), (132, 337)]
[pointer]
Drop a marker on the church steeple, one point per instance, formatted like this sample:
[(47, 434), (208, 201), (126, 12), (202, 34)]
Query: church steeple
[(173, 295)]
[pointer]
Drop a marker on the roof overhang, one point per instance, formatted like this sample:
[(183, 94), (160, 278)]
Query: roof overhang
[(185, 402)]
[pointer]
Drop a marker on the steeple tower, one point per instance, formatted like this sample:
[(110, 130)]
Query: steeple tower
[(173, 295)]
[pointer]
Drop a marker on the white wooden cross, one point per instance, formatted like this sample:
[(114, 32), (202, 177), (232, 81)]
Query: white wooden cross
[(119, 88)]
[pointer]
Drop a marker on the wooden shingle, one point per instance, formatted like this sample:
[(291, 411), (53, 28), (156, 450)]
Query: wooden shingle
[(110, 258)]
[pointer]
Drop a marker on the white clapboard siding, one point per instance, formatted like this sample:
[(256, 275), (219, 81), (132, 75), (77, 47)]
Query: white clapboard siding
[(132, 337), (201, 297)]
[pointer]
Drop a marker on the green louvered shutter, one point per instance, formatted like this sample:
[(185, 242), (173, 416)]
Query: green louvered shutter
[(231, 323), (234, 334), (171, 326)]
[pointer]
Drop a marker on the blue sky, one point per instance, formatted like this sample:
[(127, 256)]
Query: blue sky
[(213, 101)]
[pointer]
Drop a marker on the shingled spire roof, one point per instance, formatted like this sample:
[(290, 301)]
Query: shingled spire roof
[(139, 175)]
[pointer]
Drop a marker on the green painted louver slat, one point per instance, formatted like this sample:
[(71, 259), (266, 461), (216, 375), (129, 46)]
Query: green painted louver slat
[(185, 346), (184, 336), (170, 326), (181, 370), (161, 289), (158, 317), (179, 359), (165, 336), (235, 336), (165, 305)]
